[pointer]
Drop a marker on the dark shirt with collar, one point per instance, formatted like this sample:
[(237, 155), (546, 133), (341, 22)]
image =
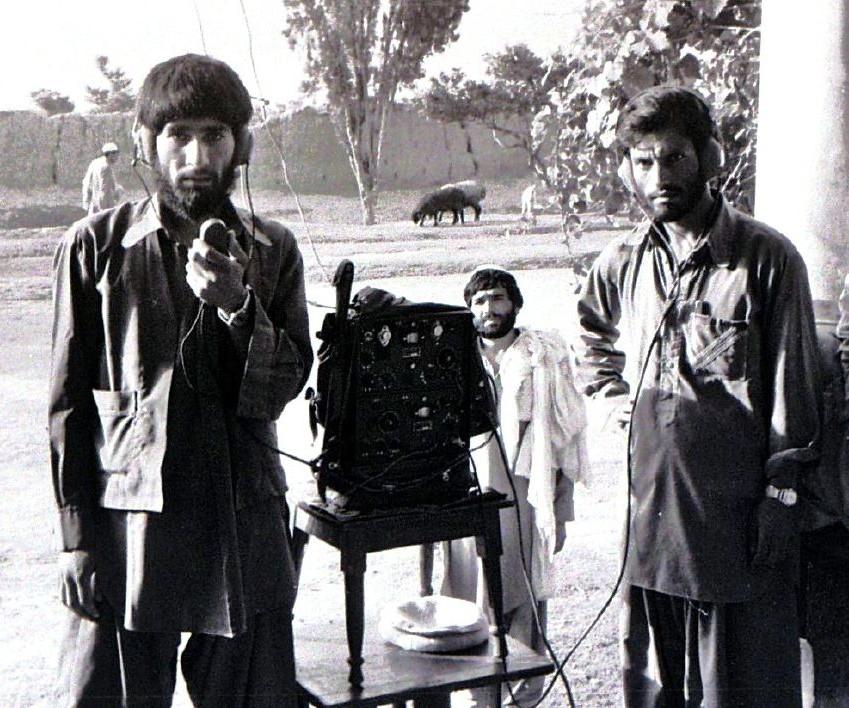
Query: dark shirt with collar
[(163, 438), (729, 400)]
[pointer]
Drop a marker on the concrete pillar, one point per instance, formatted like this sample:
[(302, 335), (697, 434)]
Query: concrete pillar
[(802, 186)]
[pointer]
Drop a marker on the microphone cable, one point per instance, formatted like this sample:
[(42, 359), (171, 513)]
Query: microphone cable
[(279, 150), (523, 558)]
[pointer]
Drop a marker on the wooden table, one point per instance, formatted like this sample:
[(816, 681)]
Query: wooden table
[(356, 535)]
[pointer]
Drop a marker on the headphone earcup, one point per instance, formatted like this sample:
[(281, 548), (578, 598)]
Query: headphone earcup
[(244, 146), (711, 159), (626, 174)]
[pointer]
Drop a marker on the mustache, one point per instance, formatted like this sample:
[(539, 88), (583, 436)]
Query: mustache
[(195, 175), (666, 192)]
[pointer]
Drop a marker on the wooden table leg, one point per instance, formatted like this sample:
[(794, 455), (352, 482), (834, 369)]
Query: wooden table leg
[(299, 542), (354, 568), (426, 569), (489, 549)]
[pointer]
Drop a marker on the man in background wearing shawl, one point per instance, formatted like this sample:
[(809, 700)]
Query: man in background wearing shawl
[(171, 362), (542, 421)]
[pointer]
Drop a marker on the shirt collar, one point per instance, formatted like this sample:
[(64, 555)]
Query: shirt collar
[(149, 222), (720, 239), (723, 234)]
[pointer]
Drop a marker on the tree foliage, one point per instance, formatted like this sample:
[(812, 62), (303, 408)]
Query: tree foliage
[(563, 111), (52, 102), (117, 96), (360, 52), (517, 87)]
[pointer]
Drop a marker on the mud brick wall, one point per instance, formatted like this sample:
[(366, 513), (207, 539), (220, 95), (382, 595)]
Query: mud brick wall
[(39, 152)]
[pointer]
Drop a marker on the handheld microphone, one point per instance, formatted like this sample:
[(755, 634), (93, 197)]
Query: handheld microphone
[(215, 233)]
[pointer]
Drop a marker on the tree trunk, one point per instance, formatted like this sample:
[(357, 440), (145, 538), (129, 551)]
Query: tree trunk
[(565, 226), (361, 165), (365, 189), (368, 200), (365, 184)]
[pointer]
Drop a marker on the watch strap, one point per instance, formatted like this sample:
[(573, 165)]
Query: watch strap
[(240, 316)]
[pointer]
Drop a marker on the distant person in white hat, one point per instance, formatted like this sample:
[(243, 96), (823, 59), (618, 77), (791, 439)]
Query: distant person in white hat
[(100, 188)]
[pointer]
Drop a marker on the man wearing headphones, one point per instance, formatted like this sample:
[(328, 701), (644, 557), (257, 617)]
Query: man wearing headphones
[(720, 353), (173, 355)]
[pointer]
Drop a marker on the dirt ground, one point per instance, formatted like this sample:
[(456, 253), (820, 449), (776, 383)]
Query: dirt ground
[(424, 264)]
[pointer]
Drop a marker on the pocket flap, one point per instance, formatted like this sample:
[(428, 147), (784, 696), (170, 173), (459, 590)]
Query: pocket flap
[(717, 346)]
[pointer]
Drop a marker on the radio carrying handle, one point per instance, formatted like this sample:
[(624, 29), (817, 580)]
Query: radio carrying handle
[(343, 281)]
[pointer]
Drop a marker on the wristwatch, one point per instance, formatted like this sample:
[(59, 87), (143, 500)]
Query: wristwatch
[(786, 496), (240, 316)]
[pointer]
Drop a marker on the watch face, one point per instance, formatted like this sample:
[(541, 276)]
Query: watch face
[(788, 496)]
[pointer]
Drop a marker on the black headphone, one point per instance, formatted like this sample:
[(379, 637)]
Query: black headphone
[(144, 145)]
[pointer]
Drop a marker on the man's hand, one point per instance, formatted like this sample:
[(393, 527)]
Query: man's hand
[(622, 414), (217, 278), (774, 533), (612, 412), (559, 537), (78, 583)]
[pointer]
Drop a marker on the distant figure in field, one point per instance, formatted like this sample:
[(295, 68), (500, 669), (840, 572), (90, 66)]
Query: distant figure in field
[(537, 198), (529, 204), (100, 188)]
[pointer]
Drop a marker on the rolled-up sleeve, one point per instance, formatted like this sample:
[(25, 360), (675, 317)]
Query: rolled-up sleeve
[(71, 408), (279, 354), (790, 356)]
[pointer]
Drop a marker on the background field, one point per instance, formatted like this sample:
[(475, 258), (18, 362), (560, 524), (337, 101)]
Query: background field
[(420, 263)]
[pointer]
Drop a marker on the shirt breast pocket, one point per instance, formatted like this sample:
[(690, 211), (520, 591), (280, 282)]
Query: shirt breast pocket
[(717, 347)]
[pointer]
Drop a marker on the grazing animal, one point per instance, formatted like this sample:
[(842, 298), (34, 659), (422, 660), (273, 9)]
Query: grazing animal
[(474, 191), (440, 200)]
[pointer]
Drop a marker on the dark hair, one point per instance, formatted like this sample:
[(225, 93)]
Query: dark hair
[(489, 278), (663, 107), (193, 86)]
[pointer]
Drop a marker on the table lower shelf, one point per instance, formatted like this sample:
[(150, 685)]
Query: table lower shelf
[(391, 674)]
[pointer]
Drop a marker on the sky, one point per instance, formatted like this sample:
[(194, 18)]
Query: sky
[(53, 43)]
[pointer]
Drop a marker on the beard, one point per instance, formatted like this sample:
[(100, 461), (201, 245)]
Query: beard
[(195, 203), (501, 326), (681, 201)]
